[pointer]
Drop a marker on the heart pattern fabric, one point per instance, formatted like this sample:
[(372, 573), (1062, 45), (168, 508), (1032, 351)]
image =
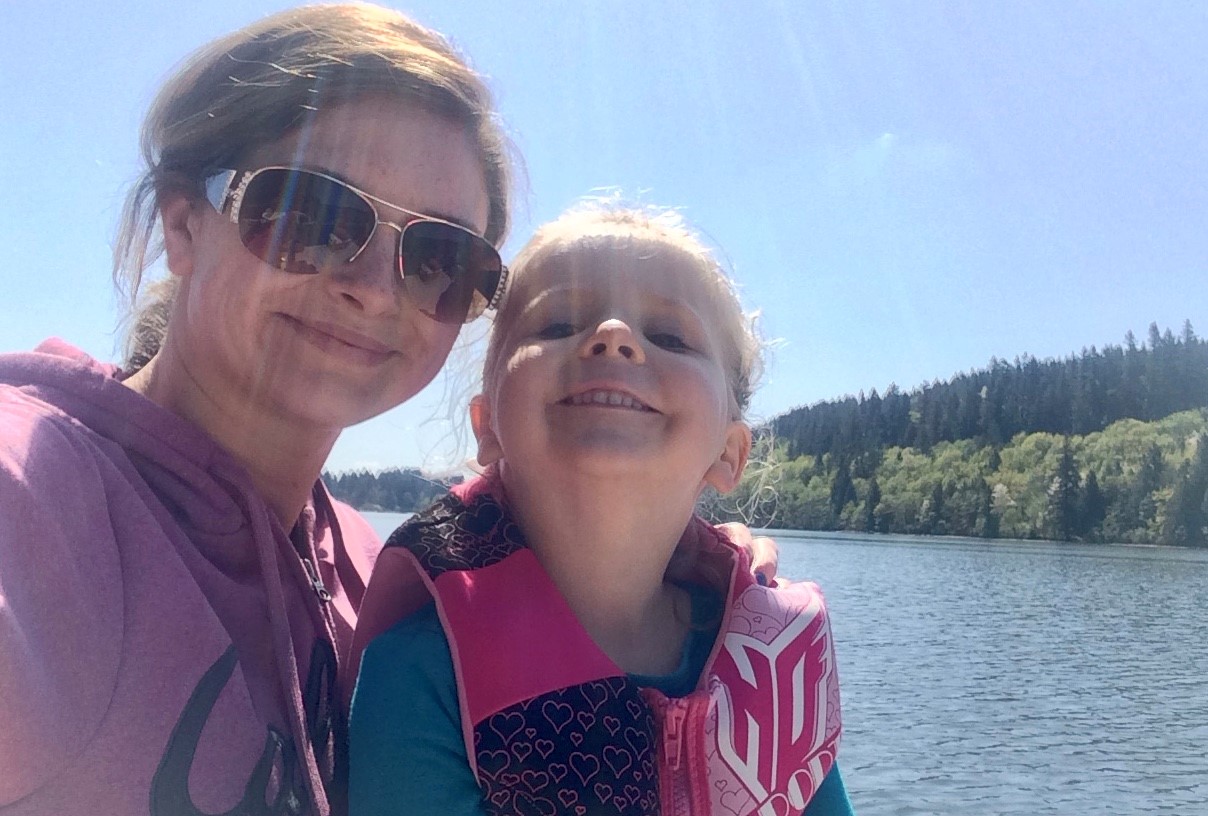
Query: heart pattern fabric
[(579, 750)]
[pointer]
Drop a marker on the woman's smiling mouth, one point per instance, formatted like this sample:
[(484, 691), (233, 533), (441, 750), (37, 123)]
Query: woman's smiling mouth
[(344, 343)]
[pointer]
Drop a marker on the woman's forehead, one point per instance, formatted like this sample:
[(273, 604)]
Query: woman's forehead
[(395, 150)]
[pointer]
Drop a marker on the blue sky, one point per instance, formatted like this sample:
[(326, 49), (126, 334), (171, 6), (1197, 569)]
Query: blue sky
[(903, 189)]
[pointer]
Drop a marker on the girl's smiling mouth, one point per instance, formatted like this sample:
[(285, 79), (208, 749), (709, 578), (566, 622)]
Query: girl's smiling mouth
[(607, 398)]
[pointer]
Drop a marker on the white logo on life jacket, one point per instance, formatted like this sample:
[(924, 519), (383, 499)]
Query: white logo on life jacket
[(785, 684)]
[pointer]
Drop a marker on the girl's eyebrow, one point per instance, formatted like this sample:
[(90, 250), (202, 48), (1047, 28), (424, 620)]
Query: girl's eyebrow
[(541, 297)]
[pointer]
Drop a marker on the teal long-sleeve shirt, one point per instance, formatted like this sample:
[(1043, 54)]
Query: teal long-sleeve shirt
[(407, 752)]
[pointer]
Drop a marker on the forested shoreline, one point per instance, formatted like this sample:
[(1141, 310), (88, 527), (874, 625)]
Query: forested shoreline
[(1099, 446), (395, 490)]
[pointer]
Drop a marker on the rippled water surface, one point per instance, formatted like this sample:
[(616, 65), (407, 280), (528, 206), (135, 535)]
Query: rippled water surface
[(1013, 678), (1016, 678)]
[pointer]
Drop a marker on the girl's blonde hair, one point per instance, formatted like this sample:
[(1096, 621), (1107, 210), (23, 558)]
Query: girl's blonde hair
[(260, 83), (594, 223)]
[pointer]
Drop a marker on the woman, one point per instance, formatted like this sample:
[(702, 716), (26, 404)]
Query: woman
[(177, 588)]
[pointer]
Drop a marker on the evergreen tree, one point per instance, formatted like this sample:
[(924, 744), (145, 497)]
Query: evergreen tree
[(1147, 483), (870, 506), (843, 490), (1092, 507), (931, 514), (1062, 517), (1155, 337), (987, 518)]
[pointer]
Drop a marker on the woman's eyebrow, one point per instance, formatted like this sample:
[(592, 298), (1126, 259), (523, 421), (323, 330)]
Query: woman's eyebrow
[(453, 219), (335, 174)]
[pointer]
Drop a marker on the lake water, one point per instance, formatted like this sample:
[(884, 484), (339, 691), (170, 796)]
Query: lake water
[(1004, 678)]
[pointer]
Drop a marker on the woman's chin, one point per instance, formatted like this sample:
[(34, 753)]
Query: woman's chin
[(318, 401)]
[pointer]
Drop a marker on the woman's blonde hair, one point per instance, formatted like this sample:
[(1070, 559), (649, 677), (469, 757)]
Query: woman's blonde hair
[(598, 222), (258, 84)]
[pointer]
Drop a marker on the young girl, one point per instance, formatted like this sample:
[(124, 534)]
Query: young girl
[(555, 665)]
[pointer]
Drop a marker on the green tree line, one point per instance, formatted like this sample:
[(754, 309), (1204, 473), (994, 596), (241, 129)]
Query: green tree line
[(1075, 396), (396, 490), (1103, 446), (1133, 482)]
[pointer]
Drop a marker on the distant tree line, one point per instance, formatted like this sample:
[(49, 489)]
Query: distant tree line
[(1076, 396), (396, 490), (1104, 446)]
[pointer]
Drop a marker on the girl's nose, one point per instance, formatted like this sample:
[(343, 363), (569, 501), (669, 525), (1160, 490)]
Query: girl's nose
[(613, 338)]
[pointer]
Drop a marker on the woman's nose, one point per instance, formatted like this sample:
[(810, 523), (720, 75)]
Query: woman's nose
[(371, 281), (613, 338)]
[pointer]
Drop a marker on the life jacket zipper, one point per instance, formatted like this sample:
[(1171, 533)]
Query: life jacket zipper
[(683, 776), (674, 735)]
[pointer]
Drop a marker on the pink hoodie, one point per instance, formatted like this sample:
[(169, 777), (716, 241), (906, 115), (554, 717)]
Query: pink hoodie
[(165, 646)]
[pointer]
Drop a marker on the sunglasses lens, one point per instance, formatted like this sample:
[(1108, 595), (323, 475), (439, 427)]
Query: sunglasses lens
[(450, 273), (301, 222)]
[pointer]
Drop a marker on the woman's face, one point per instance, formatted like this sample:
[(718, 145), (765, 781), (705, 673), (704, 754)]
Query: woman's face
[(333, 348)]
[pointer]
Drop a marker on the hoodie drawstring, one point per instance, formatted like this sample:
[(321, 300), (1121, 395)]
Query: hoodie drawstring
[(262, 533)]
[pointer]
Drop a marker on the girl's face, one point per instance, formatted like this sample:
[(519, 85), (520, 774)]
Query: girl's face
[(611, 362), (333, 348)]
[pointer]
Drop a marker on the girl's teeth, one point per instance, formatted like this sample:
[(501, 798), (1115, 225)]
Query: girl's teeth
[(607, 398)]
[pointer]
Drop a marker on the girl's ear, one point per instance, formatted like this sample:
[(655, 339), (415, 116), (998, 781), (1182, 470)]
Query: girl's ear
[(489, 449), (176, 216), (725, 472)]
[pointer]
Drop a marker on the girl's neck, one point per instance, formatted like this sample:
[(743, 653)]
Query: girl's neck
[(283, 458), (606, 543)]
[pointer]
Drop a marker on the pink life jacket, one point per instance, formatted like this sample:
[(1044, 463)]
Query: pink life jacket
[(553, 726)]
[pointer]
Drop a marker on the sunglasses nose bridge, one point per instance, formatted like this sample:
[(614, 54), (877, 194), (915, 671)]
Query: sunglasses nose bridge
[(377, 222)]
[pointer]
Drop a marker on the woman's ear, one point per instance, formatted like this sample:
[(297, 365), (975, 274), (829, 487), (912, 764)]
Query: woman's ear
[(489, 449), (179, 226), (726, 470)]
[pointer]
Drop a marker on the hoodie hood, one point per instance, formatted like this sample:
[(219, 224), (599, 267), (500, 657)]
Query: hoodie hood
[(194, 476), (256, 575)]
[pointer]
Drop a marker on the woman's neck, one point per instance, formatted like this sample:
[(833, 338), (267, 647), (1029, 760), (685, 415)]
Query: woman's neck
[(283, 458), (606, 543)]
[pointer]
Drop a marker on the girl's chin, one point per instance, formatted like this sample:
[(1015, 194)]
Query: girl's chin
[(611, 458)]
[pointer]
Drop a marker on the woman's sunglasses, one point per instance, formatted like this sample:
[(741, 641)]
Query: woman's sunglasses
[(306, 222)]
